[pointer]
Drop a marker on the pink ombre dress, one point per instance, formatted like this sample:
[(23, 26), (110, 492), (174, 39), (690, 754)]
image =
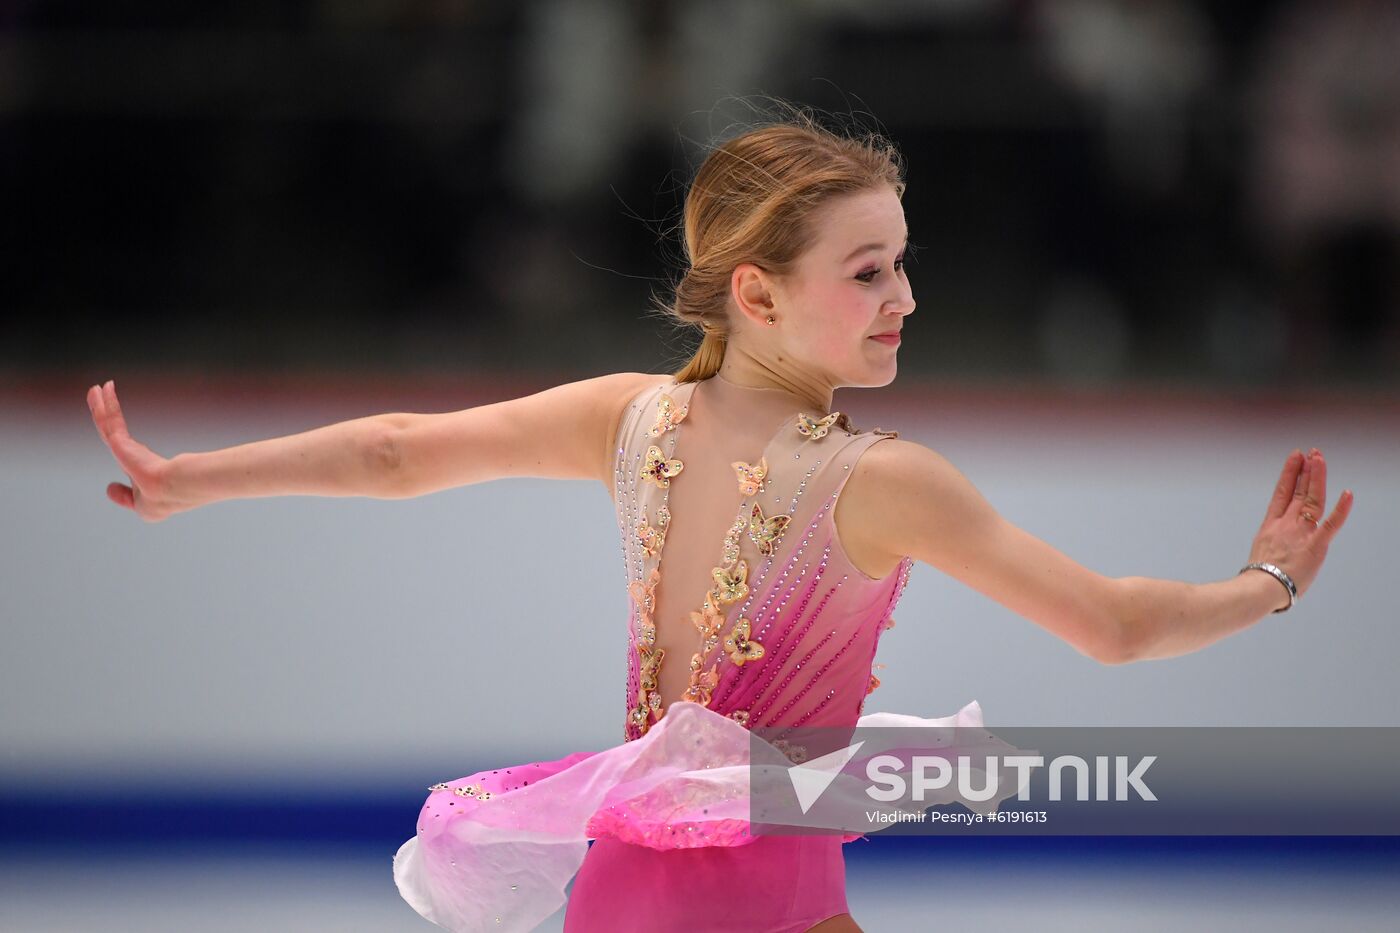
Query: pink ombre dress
[(762, 620)]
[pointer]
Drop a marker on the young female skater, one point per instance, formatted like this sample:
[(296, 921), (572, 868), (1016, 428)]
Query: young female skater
[(788, 535)]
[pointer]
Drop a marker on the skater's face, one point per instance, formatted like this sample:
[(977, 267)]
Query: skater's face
[(849, 285)]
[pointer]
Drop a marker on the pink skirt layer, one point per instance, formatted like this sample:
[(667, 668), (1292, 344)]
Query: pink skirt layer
[(670, 816)]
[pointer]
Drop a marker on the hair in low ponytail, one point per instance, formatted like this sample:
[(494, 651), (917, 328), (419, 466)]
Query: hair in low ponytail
[(707, 359)]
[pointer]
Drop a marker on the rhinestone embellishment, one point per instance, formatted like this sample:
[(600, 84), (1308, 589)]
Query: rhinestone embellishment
[(731, 576)]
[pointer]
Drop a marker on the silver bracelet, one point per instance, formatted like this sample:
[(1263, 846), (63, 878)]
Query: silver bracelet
[(1283, 578)]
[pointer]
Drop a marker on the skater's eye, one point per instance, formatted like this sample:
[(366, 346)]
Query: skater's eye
[(868, 276)]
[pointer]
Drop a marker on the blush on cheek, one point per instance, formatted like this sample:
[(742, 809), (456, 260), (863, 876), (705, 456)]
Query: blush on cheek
[(830, 343)]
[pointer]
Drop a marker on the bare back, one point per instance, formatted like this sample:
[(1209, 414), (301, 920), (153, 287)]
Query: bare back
[(697, 528)]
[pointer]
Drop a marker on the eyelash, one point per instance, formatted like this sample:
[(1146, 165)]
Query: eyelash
[(871, 272)]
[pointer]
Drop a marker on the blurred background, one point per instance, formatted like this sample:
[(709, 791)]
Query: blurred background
[(1156, 249), (1183, 191)]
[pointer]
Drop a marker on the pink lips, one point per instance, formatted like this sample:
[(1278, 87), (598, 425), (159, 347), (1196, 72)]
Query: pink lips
[(891, 339)]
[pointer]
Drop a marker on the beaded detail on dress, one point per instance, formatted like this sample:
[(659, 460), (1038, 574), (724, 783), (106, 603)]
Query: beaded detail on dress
[(786, 612)]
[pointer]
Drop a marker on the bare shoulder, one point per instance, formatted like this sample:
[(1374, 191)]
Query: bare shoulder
[(566, 431), (563, 432), (885, 478), (894, 463), (904, 499), (612, 393)]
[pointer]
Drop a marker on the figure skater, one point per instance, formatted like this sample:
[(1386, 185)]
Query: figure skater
[(787, 534)]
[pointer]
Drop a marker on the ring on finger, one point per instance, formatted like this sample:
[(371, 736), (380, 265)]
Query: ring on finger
[(1307, 517)]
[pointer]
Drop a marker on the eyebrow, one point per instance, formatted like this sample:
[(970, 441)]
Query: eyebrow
[(870, 246)]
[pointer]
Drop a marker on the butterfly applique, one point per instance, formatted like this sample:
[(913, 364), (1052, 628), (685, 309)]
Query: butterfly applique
[(643, 593), (750, 475), (653, 538), (795, 753), (667, 415), (702, 683), (699, 693), (741, 648), (658, 469), (651, 663), (730, 585), (709, 620), (815, 428), (765, 532)]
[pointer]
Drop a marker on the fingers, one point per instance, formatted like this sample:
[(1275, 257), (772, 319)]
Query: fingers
[(1337, 519), (94, 400), (1311, 496), (1301, 488), (107, 416), (116, 423), (1315, 498), (121, 495), (1287, 483), (102, 404)]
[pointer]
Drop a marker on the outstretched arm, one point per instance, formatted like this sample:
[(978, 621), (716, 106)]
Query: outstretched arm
[(350, 458), (1168, 618), (565, 432), (909, 500)]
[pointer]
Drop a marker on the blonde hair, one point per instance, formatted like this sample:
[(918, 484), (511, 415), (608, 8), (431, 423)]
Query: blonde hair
[(752, 200)]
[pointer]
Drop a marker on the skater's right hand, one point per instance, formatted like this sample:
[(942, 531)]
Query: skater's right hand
[(148, 472)]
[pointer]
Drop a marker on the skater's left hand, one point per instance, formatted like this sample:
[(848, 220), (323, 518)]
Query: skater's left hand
[(1296, 532)]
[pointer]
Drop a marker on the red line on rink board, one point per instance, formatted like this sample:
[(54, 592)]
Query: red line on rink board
[(242, 392)]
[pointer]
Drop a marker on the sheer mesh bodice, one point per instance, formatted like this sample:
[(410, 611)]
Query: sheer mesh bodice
[(773, 626)]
